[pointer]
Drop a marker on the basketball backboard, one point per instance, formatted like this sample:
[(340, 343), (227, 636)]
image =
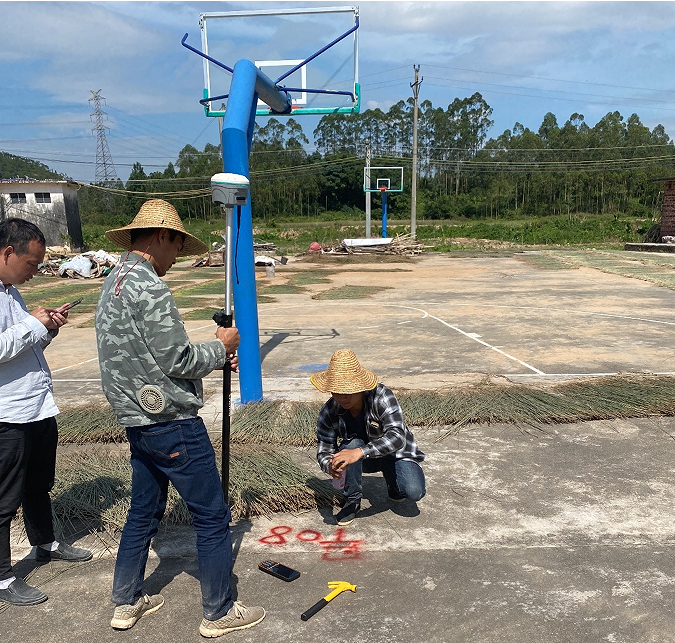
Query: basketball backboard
[(278, 42), (375, 179)]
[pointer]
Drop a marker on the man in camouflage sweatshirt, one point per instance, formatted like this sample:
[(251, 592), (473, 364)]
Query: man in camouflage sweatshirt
[(151, 374)]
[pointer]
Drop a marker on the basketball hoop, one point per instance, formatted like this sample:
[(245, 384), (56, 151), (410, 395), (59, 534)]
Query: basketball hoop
[(383, 189)]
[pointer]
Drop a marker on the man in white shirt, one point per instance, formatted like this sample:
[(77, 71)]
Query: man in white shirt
[(28, 433)]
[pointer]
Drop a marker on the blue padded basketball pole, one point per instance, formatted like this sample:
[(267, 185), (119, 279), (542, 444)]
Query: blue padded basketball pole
[(248, 84), (384, 214)]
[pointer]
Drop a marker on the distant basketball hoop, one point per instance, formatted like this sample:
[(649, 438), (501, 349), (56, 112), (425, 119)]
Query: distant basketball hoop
[(383, 180)]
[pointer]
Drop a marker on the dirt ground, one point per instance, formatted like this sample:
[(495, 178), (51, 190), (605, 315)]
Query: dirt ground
[(427, 322)]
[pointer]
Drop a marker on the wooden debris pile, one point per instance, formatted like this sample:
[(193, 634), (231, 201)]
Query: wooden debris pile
[(403, 245), (217, 254)]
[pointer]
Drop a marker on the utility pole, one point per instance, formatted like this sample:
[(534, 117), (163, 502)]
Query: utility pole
[(367, 185), (413, 201), (105, 169)]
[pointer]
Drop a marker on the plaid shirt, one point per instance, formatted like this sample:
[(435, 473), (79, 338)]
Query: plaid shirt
[(387, 432)]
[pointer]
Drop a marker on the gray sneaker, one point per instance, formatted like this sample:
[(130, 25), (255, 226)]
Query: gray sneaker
[(239, 617), (125, 616)]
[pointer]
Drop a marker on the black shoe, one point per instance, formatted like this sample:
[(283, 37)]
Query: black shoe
[(394, 494), (21, 593), (347, 514), (64, 552)]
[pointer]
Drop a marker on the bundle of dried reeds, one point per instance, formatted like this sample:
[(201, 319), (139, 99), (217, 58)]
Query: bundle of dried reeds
[(87, 424), (265, 481), (92, 490), (633, 395), (294, 423)]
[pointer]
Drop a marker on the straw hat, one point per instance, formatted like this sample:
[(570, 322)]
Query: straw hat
[(344, 375), (157, 213)]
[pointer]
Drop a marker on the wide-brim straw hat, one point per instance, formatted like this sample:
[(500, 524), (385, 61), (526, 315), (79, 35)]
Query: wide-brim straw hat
[(157, 213), (344, 375)]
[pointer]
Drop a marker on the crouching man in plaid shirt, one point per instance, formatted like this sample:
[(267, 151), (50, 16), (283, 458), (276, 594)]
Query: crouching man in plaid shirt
[(361, 429)]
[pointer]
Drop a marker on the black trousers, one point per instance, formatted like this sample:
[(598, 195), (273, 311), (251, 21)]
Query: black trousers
[(27, 469)]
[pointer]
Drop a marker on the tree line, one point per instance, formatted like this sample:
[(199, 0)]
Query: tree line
[(574, 168)]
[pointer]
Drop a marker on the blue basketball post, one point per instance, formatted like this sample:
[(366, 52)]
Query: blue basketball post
[(384, 212), (248, 85), (248, 82)]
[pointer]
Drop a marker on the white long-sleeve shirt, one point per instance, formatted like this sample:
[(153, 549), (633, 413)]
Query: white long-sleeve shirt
[(26, 390)]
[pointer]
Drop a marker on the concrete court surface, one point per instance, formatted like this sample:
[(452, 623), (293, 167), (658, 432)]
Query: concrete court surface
[(435, 319), (563, 535)]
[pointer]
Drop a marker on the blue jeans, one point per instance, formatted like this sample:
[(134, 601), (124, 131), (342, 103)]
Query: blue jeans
[(180, 452), (404, 478)]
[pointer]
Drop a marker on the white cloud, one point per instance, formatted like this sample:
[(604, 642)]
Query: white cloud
[(74, 30)]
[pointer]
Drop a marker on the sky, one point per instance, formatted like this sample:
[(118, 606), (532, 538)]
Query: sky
[(525, 58)]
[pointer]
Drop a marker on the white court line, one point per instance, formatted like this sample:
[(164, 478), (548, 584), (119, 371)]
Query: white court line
[(580, 374), (469, 335), (65, 368), (556, 310), (475, 339), (482, 305)]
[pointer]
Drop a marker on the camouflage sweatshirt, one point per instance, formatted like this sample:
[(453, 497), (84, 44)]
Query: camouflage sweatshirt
[(142, 341)]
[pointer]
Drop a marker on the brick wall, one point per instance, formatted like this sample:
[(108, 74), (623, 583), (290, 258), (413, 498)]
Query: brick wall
[(668, 210)]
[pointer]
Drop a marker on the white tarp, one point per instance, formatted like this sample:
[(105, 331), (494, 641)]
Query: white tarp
[(367, 242)]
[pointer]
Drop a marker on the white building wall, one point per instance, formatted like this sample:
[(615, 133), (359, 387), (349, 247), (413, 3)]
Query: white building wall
[(59, 225)]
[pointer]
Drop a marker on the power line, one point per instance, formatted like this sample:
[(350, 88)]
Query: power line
[(556, 80)]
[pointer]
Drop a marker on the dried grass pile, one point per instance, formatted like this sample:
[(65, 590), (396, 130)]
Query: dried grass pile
[(633, 395), (275, 422), (92, 490), (266, 422), (87, 424), (285, 423), (263, 482)]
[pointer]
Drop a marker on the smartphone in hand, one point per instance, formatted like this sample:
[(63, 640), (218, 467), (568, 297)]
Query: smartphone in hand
[(72, 305)]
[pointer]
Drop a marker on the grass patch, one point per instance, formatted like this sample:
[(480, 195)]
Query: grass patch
[(189, 301), (54, 291), (310, 277), (357, 258), (282, 289), (211, 287), (558, 230), (660, 273), (544, 262), (266, 299), (350, 292), (201, 314)]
